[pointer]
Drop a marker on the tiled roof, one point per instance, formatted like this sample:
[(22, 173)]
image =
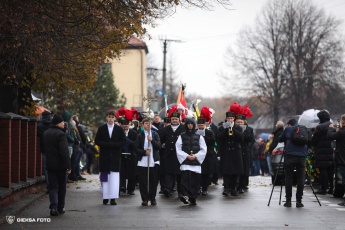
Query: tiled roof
[(136, 43)]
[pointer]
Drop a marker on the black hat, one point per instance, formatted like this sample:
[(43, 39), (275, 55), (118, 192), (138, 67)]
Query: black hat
[(230, 114), (166, 120), (57, 119), (123, 121), (240, 117), (201, 120), (175, 114), (46, 114)]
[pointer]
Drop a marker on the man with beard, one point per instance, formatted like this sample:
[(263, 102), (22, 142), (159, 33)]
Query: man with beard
[(230, 139), (191, 151), (248, 141), (323, 153), (110, 138), (207, 164), (128, 158), (168, 136)]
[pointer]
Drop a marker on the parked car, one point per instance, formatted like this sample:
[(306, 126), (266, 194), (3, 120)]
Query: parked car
[(338, 190), (277, 163)]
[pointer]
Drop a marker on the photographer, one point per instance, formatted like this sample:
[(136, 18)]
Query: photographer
[(294, 157), (339, 136)]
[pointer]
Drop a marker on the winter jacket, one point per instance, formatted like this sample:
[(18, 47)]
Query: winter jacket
[(339, 136), (290, 148)]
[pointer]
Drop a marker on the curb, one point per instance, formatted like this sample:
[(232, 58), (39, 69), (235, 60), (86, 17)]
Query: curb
[(18, 206)]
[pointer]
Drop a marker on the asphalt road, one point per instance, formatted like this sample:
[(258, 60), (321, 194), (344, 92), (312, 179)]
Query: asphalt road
[(84, 210)]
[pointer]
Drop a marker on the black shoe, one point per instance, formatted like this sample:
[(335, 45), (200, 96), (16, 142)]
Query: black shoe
[(204, 193), (215, 183), (144, 203), (122, 189), (69, 181), (161, 192), (166, 193), (153, 202), (287, 204), (330, 191), (233, 192), (185, 199), (342, 203), (245, 188), (54, 212), (192, 201), (130, 193), (240, 190), (113, 202), (299, 204), (321, 192), (61, 210), (73, 178), (105, 201), (79, 177), (226, 192)]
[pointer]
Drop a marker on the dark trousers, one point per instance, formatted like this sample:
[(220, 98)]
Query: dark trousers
[(326, 177), (290, 163), (148, 193), (243, 181), (230, 181), (74, 161), (128, 173), (169, 181), (90, 157), (190, 184), (57, 189), (205, 181)]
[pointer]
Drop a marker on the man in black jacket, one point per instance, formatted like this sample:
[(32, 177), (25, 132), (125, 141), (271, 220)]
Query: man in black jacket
[(339, 136), (58, 164), (323, 153), (42, 126), (147, 146)]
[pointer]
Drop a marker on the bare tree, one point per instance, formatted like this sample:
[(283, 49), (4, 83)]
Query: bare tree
[(292, 48)]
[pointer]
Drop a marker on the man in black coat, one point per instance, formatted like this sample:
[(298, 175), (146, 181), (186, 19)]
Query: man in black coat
[(339, 158), (230, 139), (323, 153), (128, 159), (110, 138), (42, 126), (147, 146), (207, 164), (58, 164), (168, 136)]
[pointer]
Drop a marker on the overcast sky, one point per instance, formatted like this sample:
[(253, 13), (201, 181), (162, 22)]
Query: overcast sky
[(205, 36)]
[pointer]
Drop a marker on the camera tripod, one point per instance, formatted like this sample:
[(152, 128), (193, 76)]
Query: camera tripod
[(281, 184)]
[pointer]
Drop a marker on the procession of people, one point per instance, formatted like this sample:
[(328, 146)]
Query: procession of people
[(185, 153)]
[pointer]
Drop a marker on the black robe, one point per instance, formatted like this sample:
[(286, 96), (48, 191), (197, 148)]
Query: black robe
[(129, 162), (168, 138), (230, 150), (207, 164), (110, 148)]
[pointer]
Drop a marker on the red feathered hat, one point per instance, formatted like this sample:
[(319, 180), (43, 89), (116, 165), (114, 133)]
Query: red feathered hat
[(124, 115), (136, 114), (173, 112), (206, 114), (244, 113), (234, 109)]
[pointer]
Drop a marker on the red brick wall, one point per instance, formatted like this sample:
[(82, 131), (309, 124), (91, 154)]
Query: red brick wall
[(24, 151), (39, 163), (15, 150), (32, 137), (5, 153)]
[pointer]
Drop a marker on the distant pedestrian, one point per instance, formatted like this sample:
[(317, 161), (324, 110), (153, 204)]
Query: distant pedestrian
[(58, 164)]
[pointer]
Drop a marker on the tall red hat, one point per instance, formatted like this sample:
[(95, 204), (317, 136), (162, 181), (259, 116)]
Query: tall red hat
[(206, 113), (124, 115), (234, 109), (173, 112)]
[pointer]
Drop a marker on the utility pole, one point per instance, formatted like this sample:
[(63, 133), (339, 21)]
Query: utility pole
[(165, 44)]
